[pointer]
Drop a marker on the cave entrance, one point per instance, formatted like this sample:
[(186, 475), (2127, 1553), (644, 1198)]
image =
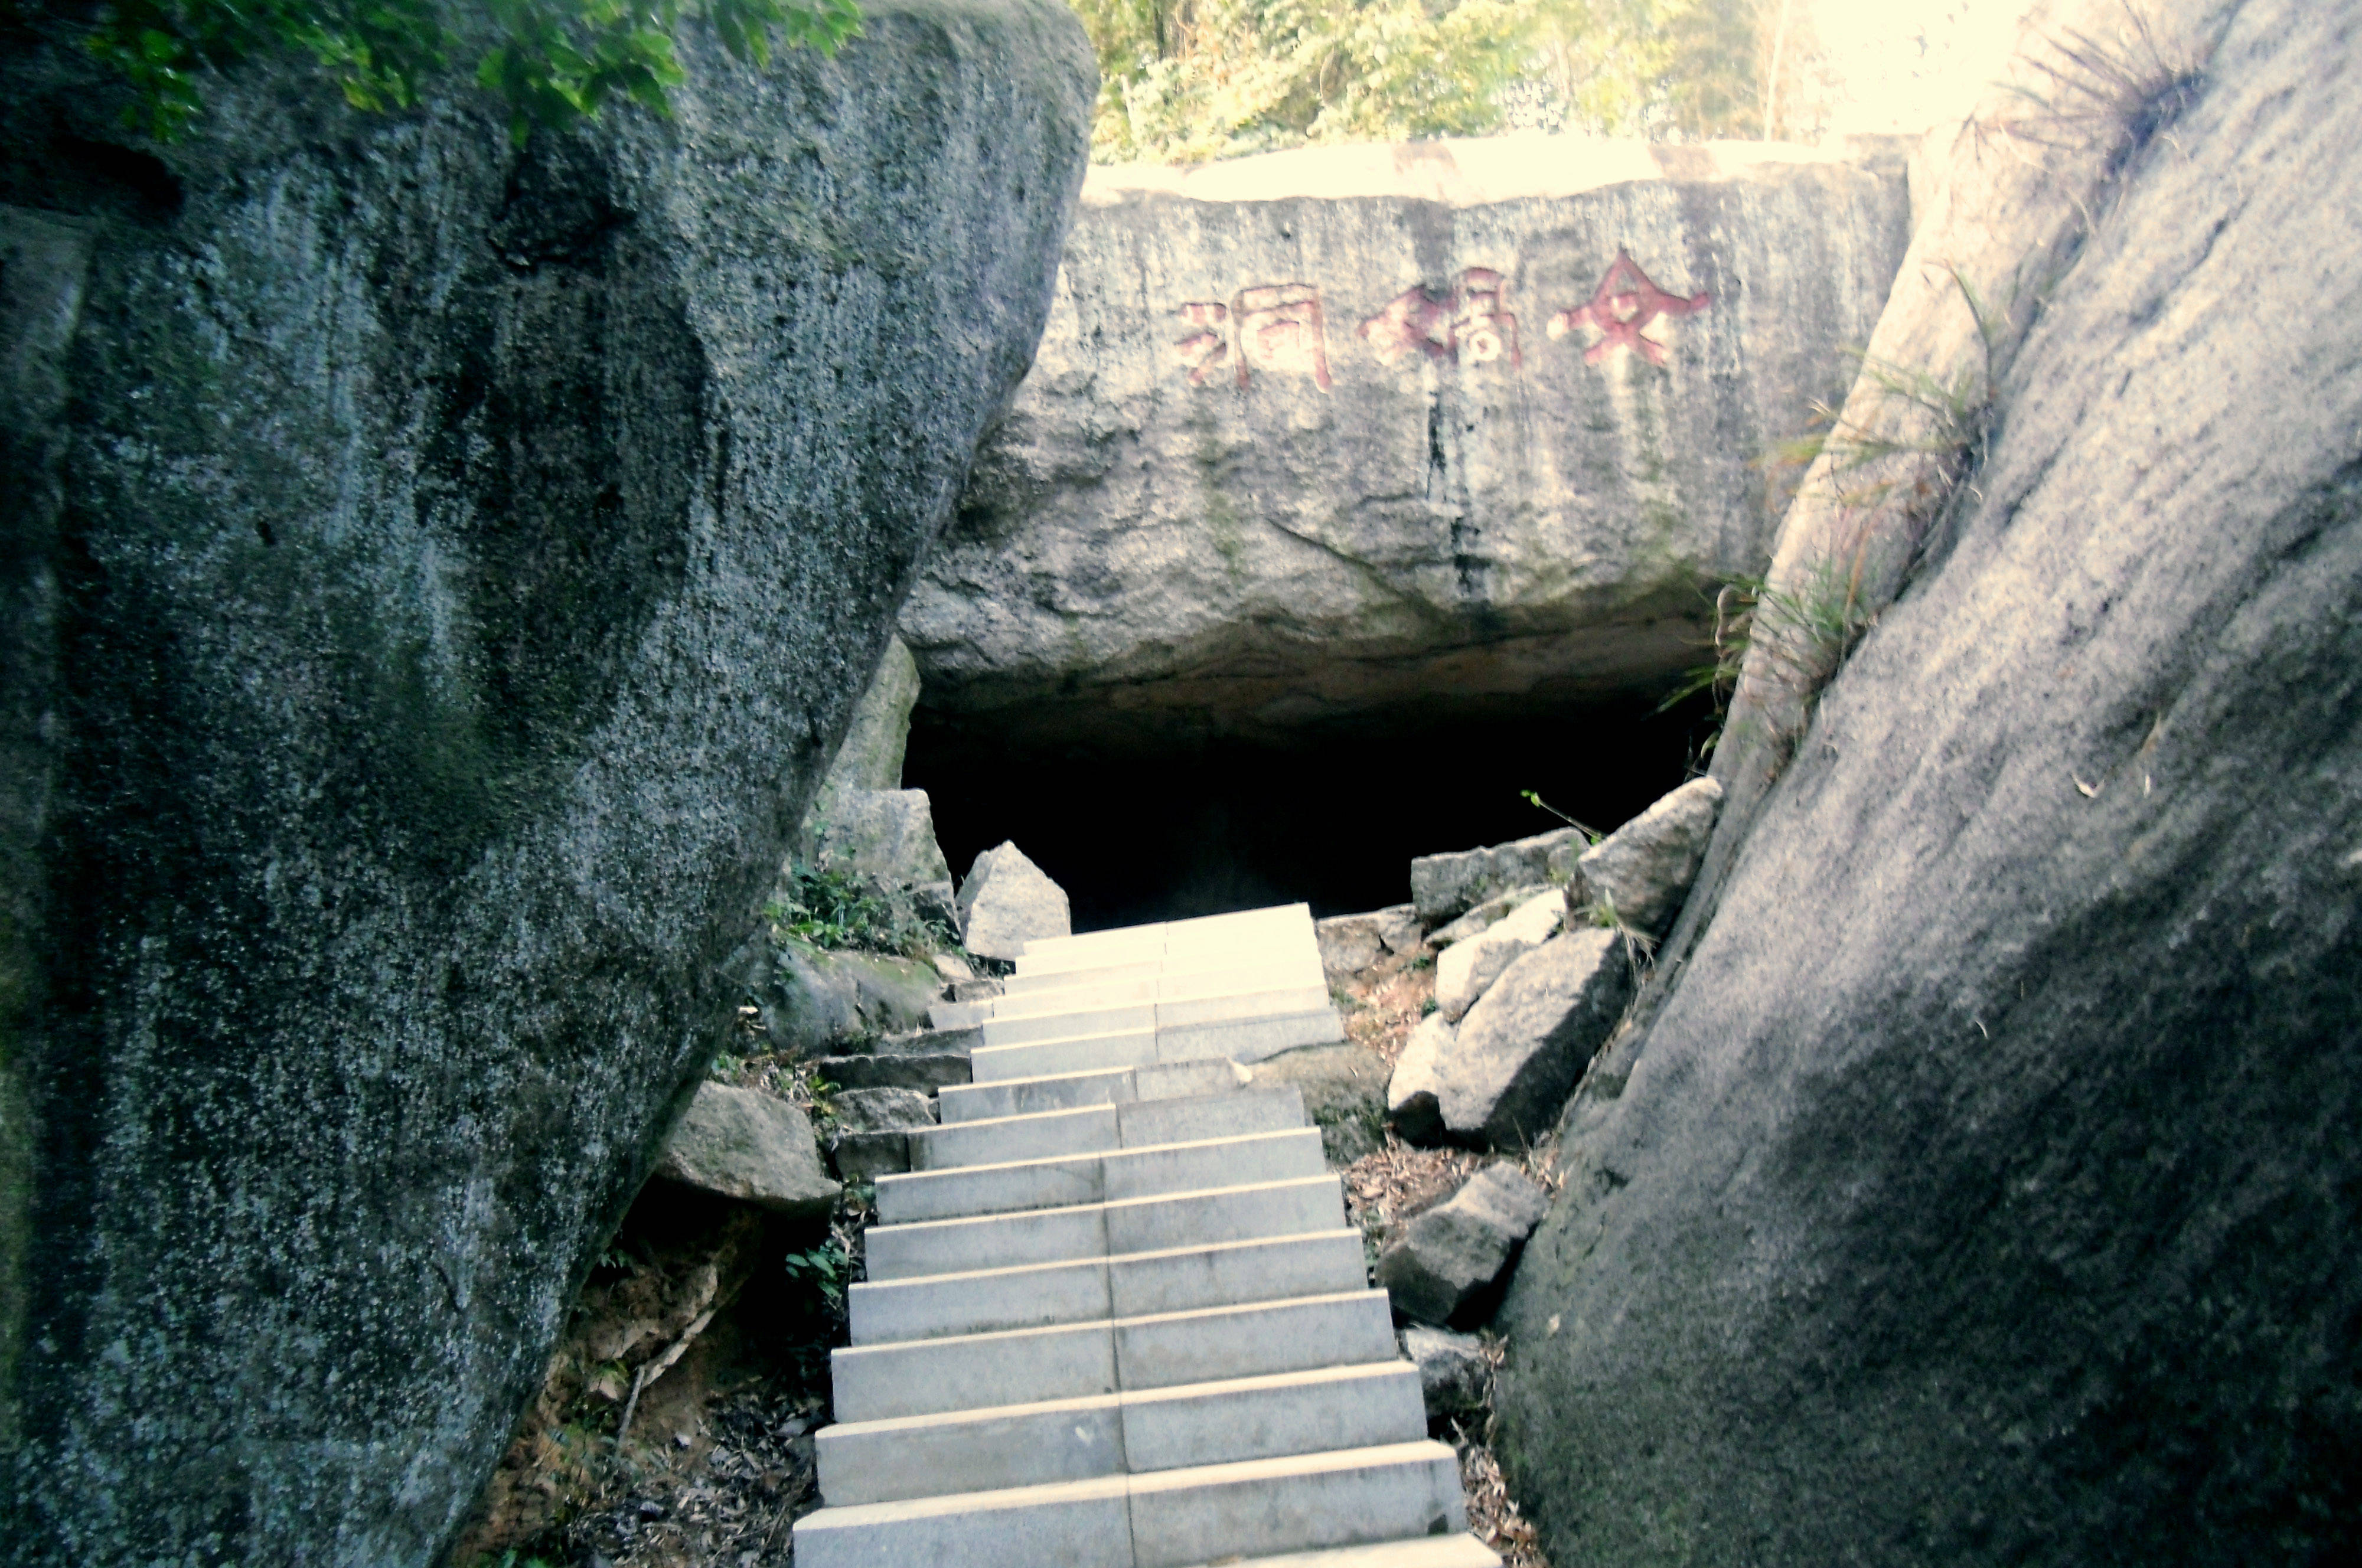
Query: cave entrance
[(1143, 820)]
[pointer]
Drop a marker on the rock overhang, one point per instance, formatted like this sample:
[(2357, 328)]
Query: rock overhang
[(1338, 429)]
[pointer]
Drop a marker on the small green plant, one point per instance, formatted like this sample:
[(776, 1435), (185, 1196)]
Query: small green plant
[(1533, 798), (1427, 1006), (1809, 631), (2118, 93), (828, 908), (824, 1270)]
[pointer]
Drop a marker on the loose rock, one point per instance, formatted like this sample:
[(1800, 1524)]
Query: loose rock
[(1493, 911), (1446, 1264), (1454, 1374), (1350, 944), (1442, 886), (1006, 903), (748, 1146), (1643, 869), (1413, 1092), (1520, 1049), (1465, 969)]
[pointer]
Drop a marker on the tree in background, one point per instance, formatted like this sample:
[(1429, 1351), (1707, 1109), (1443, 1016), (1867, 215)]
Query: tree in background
[(551, 62), (1185, 81)]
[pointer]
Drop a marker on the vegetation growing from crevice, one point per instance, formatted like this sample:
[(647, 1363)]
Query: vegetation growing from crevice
[(828, 908), (549, 62)]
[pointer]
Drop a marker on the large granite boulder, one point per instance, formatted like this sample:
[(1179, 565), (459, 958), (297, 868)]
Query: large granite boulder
[(1986, 1190), (756, 1148), (887, 836), (436, 575), (1326, 430), (815, 1000), (1507, 1071)]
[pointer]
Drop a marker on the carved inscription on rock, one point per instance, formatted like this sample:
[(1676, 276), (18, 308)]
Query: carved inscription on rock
[(1622, 308), (1273, 328), (1470, 322), (1279, 328)]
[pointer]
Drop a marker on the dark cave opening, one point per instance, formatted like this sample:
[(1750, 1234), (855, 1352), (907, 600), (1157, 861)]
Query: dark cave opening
[(1141, 824)]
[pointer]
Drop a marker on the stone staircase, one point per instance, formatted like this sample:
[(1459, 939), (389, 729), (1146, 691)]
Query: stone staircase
[(1114, 1315)]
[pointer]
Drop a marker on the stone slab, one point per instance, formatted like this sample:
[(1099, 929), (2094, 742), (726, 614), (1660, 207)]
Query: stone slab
[(1325, 1409), (1300, 1501)]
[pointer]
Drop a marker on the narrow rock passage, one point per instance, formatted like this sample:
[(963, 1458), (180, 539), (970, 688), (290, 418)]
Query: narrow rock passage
[(1115, 1317)]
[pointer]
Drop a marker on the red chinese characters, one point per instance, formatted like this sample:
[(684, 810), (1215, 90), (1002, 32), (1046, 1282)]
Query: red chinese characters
[(1626, 302), (1472, 322), (1275, 328)]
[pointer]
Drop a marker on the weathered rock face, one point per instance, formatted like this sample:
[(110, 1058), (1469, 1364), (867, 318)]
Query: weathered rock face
[(1986, 1190), (1327, 430), (444, 567)]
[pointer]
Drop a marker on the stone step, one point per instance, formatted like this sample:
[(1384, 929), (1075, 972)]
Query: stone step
[(1105, 1230), (1102, 1085), (1420, 1551), (1249, 950), (1243, 1040), (1060, 1058), (1162, 1350), (1252, 999), (1264, 972), (1081, 1290), (1239, 1039), (1165, 1428), (1296, 1502), (1185, 940), (1270, 1108), (1065, 1181), (1169, 1519)]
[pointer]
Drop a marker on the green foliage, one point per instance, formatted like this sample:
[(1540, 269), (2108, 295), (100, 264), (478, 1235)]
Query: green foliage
[(1533, 798), (1190, 80), (1808, 630), (825, 908), (824, 1271), (550, 62)]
